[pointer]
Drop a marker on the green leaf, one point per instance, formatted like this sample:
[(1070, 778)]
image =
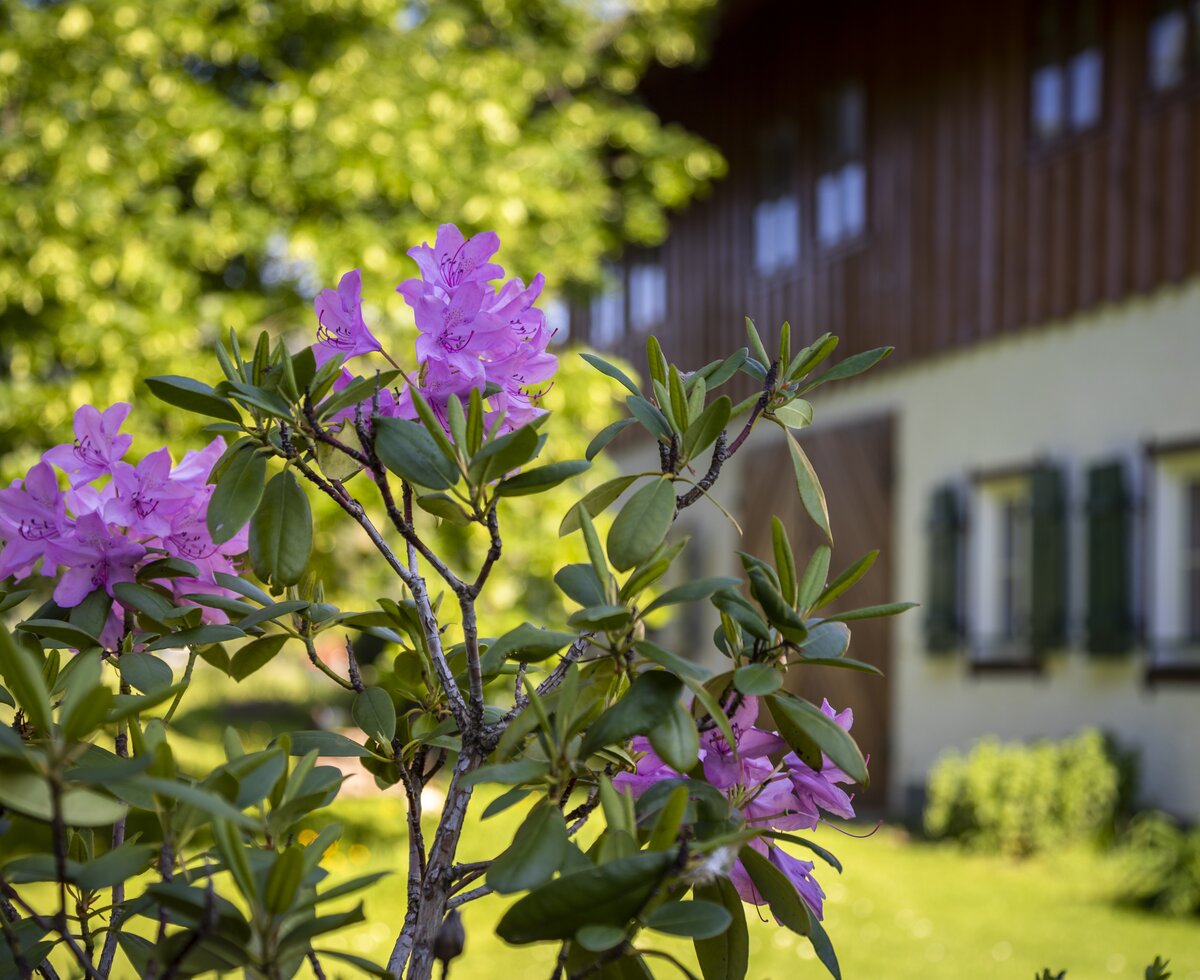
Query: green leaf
[(650, 417), (826, 641), (55, 629), (678, 401), (595, 501), (329, 744), (811, 494), (872, 612), (204, 800), (795, 716), (672, 661), (530, 643), (503, 454), (704, 431), (785, 562), (193, 396), (281, 532), (649, 698), (238, 492), (848, 578), (579, 583), (595, 551), (255, 655), (146, 673), (283, 880), (642, 524), (780, 894), (125, 862), (612, 371), (253, 396), (540, 478), (596, 939), (757, 680), (782, 616), (272, 612), (823, 854), (29, 794), (610, 894), (23, 678), (814, 577), (796, 414), (199, 636), (508, 773), (409, 451), (375, 714), (603, 617), (443, 506), (536, 853), (697, 919), (812, 355), (852, 365), (823, 947), (725, 956), (691, 591), (605, 436), (145, 600), (358, 390), (756, 344), (676, 739)]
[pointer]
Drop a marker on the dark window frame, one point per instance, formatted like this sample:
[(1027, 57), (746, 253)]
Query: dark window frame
[(1060, 52), (837, 150)]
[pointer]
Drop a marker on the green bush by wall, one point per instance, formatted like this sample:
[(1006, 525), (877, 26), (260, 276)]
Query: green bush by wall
[(1019, 798), (1162, 865)]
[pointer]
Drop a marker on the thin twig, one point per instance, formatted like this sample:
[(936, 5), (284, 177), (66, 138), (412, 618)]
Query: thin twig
[(470, 896)]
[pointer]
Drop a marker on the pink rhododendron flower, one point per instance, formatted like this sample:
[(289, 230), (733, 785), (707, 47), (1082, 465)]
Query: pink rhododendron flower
[(787, 795), (98, 444), (454, 261), (96, 556), (341, 328), (33, 513)]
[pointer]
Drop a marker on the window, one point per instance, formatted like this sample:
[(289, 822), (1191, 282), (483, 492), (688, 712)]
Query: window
[(1175, 553), (608, 309), (1017, 581), (558, 319), (647, 293), (1067, 82), (1172, 41), (1001, 560), (777, 213), (842, 184)]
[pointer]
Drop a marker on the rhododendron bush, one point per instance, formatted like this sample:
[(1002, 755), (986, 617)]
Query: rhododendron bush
[(659, 797)]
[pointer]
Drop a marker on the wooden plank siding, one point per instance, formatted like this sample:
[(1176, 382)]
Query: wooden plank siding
[(973, 231)]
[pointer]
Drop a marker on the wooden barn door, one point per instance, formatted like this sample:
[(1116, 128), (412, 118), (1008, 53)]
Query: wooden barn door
[(854, 464)]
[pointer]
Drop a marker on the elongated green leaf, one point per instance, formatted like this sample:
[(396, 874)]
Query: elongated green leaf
[(281, 532), (697, 919), (603, 617), (823, 854), (145, 672), (873, 612), (796, 414), (780, 894), (811, 494), (537, 851), (253, 396), (605, 436), (238, 492), (785, 562), (329, 744), (199, 636), (283, 880), (704, 431), (725, 956), (852, 365), (358, 390), (644, 705), (409, 451), (595, 501), (508, 773), (255, 655), (757, 679), (824, 948), (116, 866), (826, 641), (676, 739), (579, 582), (810, 356), (848, 578), (375, 714), (528, 642), (193, 396), (610, 895), (650, 417), (23, 677), (672, 661), (540, 478), (611, 370), (145, 600), (54, 629), (814, 578), (795, 715), (642, 524)]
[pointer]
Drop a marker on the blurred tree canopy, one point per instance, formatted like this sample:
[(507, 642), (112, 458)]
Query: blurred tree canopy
[(172, 169)]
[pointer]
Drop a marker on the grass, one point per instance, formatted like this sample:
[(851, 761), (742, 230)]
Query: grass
[(904, 909)]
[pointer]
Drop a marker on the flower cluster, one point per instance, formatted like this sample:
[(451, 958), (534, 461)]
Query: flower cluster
[(787, 795), (114, 517), (472, 335)]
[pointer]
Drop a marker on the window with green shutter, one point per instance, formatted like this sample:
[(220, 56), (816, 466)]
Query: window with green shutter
[(1048, 576), (1109, 616), (944, 627)]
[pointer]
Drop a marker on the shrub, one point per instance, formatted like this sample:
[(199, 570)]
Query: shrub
[(1162, 865), (1020, 799)]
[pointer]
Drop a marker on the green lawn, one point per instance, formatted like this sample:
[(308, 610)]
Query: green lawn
[(903, 909)]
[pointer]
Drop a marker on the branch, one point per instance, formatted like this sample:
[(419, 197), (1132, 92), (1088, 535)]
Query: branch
[(470, 896), (493, 554)]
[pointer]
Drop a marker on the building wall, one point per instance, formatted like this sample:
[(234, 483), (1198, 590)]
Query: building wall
[(1080, 392)]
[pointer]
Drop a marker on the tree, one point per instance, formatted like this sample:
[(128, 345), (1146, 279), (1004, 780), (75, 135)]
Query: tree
[(190, 166)]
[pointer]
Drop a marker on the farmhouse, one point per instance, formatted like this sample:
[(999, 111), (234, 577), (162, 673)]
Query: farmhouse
[(1010, 195)]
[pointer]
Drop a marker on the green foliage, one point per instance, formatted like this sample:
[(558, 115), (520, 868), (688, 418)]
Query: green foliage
[(1161, 863), (1021, 799)]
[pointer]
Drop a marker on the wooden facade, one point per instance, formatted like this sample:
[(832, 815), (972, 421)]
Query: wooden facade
[(973, 228)]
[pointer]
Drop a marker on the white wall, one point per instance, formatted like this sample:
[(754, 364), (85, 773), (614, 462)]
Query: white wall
[(1079, 392)]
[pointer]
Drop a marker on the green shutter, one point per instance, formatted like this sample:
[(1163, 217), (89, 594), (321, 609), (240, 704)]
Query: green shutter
[(1109, 618), (1048, 577), (943, 617)]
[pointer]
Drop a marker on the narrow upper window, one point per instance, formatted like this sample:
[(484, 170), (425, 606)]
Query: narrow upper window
[(1066, 86), (647, 292), (1001, 560), (777, 211), (1173, 44), (1175, 550), (842, 184), (608, 309)]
